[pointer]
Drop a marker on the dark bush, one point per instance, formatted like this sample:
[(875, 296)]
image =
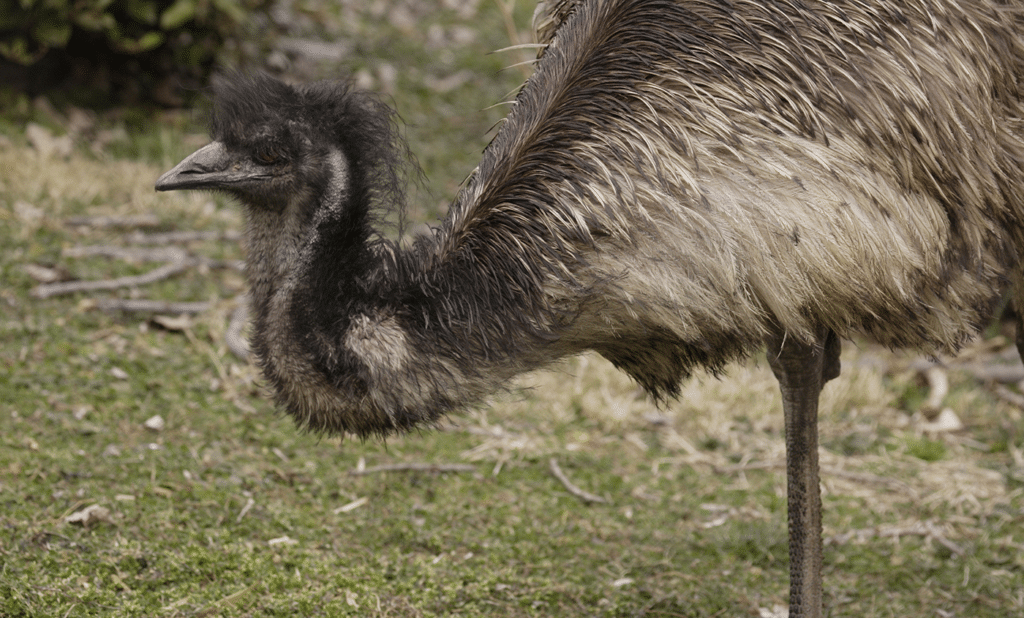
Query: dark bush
[(128, 50)]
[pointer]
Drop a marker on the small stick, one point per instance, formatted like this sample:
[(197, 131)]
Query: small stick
[(860, 477), (114, 221), (167, 238), (1008, 396), (1007, 374), (245, 509), (47, 290), (986, 372), (574, 490), (510, 28), (217, 606), (162, 254), (154, 306), (413, 467), (351, 506), (926, 529)]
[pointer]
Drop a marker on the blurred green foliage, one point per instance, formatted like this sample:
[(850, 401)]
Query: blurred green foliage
[(31, 28), (138, 41)]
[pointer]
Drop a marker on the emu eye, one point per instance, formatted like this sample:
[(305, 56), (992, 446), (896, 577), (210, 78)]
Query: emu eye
[(266, 157)]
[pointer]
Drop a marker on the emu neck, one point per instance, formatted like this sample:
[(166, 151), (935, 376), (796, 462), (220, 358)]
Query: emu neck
[(356, 336), (305, 259)]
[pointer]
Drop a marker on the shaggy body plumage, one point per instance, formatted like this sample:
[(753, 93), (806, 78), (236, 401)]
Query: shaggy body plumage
[(677, 180), (680, 183)]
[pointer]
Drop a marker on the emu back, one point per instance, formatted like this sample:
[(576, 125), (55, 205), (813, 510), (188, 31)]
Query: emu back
[(747, 166)]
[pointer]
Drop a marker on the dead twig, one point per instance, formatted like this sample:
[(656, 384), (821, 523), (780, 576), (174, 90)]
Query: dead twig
[(159, 254), (125, 221), (177, 260), (574, 490), (506, 8), (413, 467), (218, 606), (169, 238), (132, 254), (351, 506), (153, 306), (926, 529), (1007, 373), (1008, 396), (47, 290), (249, 503), (860, 477), (756, 465)]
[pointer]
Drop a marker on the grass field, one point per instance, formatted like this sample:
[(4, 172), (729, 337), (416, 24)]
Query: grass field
[(221, 508)]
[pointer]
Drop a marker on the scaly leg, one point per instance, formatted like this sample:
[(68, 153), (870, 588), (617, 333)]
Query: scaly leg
[(1018, 309), (802, 369)]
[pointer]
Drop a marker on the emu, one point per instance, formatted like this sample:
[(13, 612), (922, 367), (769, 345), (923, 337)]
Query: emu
[(680, 183)]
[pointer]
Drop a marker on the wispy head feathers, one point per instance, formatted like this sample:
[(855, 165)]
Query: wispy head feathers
[(268, 117)]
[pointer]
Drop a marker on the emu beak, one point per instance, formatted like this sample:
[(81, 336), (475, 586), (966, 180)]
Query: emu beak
[(207, 168)]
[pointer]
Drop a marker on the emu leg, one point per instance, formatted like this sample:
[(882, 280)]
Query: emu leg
[(1018, 309), (802, 369)]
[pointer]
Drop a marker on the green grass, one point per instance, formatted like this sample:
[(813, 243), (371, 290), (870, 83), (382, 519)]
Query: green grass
[(229, 511)]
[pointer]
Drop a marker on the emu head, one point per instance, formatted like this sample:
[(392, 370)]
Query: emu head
[(268, 144), (274, 144)]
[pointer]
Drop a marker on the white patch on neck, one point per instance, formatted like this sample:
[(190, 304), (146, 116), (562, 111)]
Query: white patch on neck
[(335, 197), (379, 342)]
